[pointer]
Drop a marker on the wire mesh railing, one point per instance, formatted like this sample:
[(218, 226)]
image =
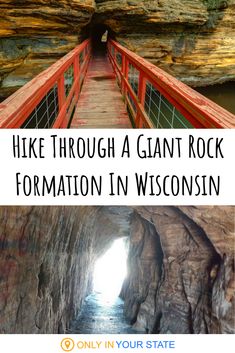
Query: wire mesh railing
[(48, 101), (161, 112), (155, 99), (45, 113)]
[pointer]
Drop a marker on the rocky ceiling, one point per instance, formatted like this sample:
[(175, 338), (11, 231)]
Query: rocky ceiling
[(193, 40)]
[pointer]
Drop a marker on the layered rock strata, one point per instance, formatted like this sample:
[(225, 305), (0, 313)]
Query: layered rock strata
[(194, 41), (34, 34)]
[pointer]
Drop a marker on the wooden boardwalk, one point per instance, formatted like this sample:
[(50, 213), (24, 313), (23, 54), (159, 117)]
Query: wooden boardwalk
[(100, 104)]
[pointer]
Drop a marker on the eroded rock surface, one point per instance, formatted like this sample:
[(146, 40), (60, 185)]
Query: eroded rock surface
[(34, 34), (180, 266), (41, 250), (193, 40), (189, 256)]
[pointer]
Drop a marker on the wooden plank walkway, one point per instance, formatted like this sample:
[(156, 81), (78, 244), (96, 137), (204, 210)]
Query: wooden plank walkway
[(100, 104)]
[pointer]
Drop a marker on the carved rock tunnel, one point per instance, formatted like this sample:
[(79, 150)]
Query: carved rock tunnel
[(180, 266), (99, 34)]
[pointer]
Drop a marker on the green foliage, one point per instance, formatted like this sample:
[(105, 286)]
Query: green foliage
[(215, 4), (215, 9)]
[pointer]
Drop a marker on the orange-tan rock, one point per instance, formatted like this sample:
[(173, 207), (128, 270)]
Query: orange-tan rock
[(192, 40)]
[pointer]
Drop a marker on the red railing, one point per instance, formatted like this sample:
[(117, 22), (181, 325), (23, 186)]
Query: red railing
[(48, 100), (155, 99)]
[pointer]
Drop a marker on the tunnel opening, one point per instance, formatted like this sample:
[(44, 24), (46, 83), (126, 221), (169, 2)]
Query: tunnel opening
[(111, 269), (99, 34)]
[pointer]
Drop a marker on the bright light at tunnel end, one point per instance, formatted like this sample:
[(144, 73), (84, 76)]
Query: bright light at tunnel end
[(110, 270)]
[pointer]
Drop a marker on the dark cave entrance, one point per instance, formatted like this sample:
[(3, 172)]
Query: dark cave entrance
[(99, 34)]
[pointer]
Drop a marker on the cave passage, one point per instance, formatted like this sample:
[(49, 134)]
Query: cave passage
[(62, 268), (103, 309), (100, 315), (99, 34)]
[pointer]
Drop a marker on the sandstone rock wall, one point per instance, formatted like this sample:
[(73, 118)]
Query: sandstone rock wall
[(193, 40), (184, 282), (46, 259), (34, 34)]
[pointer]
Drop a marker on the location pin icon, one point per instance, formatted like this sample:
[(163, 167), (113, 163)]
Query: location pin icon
[(67, 344)]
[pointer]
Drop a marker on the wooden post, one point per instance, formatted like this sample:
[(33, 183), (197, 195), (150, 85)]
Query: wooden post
[(114, 55), (141, 97), (61, 98), (61, 92), (123, 73), (76, 66), (126, 72)]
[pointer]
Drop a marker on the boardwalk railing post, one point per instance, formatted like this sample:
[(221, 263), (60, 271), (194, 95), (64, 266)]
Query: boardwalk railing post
[(114, 56), (76, 76), (61, 92), (126, 72), (141, 96), (123, 74)]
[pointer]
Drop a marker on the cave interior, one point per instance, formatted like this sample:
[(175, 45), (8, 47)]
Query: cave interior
[(180, 275)]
